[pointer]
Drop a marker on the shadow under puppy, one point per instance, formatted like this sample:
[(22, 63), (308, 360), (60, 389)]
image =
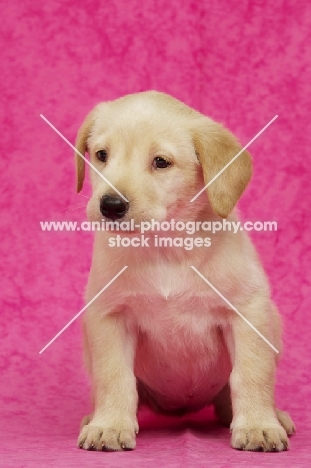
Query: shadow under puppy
[(159, 334)]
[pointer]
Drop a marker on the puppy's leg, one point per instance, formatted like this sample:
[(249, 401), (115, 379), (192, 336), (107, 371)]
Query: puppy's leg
[(111, 346), (255, 424), (223, 409)]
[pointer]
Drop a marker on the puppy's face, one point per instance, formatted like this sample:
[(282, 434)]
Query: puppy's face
[(148, 158), (158, 153)]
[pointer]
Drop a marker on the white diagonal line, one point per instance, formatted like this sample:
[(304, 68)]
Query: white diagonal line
[(83, 157), (236, 310), (233, 159), (82, 310)]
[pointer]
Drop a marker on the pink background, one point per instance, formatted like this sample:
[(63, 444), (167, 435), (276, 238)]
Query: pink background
[(241, 62)]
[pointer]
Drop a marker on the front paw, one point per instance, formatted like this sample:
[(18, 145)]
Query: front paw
[(108, 437), (260, 438)]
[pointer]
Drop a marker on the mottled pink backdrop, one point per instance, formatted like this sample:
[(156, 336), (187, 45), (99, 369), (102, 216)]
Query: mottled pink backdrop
[(241, 62)]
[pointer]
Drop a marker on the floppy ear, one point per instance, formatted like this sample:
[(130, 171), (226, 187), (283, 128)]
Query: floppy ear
[(81, 146), (215, 147)]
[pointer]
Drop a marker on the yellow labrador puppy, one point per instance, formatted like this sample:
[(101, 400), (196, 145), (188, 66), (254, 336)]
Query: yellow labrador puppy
[(159, 334)]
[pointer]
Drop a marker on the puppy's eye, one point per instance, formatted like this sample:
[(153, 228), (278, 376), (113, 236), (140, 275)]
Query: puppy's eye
[(101, 155), (160, 163)]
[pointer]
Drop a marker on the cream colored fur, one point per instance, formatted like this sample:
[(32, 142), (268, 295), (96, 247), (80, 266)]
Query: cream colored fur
[(159, 334)]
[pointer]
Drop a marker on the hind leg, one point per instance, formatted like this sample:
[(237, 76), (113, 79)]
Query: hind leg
[(286, 421), (85, 420), (223, 410), (283, 417)]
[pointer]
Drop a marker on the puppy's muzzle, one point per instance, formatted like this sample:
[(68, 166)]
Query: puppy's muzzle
[(113, 207)]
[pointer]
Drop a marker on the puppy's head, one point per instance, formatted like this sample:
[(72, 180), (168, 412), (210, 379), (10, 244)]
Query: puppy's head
[(151, 154)]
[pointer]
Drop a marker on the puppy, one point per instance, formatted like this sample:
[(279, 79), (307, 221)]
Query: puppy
[(159, 334)]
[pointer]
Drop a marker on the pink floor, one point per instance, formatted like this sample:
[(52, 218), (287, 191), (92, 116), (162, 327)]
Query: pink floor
[(242, 62)]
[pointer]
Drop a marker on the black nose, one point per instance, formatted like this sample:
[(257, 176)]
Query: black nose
[(113, 207)]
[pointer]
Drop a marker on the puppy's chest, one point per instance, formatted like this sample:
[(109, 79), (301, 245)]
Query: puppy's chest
[(170, 282), (173, 302)]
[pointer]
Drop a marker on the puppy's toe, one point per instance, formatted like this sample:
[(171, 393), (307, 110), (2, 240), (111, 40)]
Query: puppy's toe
[(89, 438), (118, 439), (260, 439)]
